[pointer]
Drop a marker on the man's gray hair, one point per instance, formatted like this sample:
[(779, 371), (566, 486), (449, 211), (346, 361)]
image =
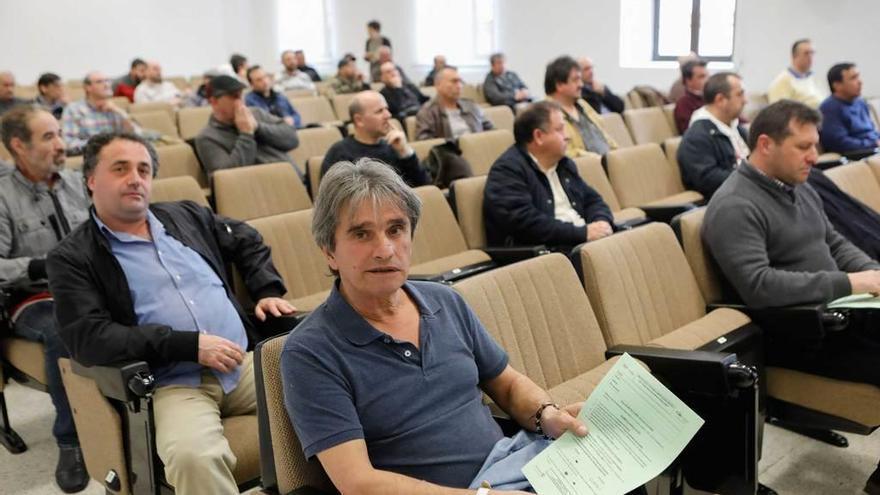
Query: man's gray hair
[(350, 185)]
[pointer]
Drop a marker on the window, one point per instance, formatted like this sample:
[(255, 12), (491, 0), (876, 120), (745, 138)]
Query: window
[(684, 26), (305, 25), (462, 30)]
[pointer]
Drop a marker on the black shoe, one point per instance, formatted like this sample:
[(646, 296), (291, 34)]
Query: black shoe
[(70, 473), (872, 486)]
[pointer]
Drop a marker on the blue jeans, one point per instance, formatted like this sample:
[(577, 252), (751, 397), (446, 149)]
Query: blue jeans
[(37, 323)]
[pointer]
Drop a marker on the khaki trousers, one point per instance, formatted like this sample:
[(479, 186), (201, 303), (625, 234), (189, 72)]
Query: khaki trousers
[(189, 435)]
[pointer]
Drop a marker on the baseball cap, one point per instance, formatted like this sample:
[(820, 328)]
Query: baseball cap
[(223, 85)]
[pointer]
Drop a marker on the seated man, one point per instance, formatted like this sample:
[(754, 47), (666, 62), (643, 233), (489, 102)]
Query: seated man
[(534, 194), (693, 77), (404, 98), (264, 96), (291, 77), (300, 58), (597, 94), (7, 93), (95, 114), (583, 127), (384, 381), (127, 84), (149, 282), (439, 63), (384, 55), (449, 115), (154, 88), (53, 96), (502, 86), (41, 204), (239, 65), (237, 135), (715, 143), (348, 79), (846, 119), (375, 138), (797, 82)]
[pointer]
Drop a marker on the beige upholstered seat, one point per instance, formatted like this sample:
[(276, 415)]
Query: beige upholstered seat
[(615, 127), (153, 106), (177, 160), (314, 110), (473, 92), (100, 431), (178, 188), (501, 116), (670, 147), (538, 312), (313, 142), (259, 191), (191, 121), (648, 125), (157, 120), (340, 106), (313, 171), (438, 245), (299, 93), (643, 291), (858, 180), (25, 356), (410, 124), (422, 148), (296, 257), (641, 176), (292, 470), (590, 169), (120, 101), (669, 113), (5, 155), (481, 149), (468, 194), (856, 402), (874, 163)]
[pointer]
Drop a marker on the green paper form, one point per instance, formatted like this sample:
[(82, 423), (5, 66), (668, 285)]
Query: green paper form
[(867, 301), (637, 428)]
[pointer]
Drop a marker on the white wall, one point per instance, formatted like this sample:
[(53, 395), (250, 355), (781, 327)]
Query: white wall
[(188, 36)]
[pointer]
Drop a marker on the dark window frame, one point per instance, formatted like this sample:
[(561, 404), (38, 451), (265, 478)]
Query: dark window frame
[(695, 34)]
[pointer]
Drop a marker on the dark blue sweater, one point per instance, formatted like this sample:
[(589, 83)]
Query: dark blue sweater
[(847, 126)]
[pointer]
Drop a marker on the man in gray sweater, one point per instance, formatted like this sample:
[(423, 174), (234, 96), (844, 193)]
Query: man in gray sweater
[(237, 135)]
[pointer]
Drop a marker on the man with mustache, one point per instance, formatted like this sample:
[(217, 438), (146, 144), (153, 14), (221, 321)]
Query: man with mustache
[(41, 204), (149, 282)]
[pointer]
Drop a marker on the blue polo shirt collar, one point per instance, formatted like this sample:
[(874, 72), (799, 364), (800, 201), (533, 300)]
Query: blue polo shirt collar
[(356, 329)]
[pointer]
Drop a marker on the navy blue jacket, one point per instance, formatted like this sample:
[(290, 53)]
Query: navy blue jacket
[(276, 103), (847, 125), (518, 203), (706, 157)]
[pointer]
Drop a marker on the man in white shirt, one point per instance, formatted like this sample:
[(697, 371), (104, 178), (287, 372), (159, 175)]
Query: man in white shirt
[(797, 82), (153, 88), (291, 77)]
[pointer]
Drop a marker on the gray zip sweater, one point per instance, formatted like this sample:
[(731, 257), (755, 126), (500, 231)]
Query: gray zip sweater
[(774, 244)]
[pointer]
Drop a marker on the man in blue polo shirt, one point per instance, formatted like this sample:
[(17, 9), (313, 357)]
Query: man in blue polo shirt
[(846, 119), (384, 381)]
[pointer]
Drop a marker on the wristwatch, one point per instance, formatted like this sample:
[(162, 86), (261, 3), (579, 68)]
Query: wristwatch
[(538, 427)]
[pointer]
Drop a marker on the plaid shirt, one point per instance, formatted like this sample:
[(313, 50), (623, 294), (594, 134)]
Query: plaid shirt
[(80, 121)]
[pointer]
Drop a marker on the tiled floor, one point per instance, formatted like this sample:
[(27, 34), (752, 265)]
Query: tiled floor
[(792, 464)]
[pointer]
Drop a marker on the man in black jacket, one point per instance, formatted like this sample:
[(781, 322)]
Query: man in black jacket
[(715, 143), (596, 93), (403, 97), (534, 194), (141, 282)]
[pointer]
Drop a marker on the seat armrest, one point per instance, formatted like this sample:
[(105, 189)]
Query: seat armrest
[(456, 274), (702, 372), (125, 381), (276, 325), (508, 255), (665, 213), (801, 322), (856, 155), (631, 223)]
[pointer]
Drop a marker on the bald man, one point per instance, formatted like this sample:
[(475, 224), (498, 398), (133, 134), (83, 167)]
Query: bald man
[(598, 95), (374, 137), (450, 116), (7, 92), (154, 88)]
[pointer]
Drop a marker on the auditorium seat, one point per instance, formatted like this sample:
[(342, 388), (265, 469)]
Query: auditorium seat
[(153, 106), (121, 102), (410, 124), (438, 244), (800, 397), (590, 169), (297, 258), (670, 147), (613, 124), (178, 188), (313, 172), (669, 113), (315, 110), (481, 149), (474, 92), (467, 199), (284, 467), (179, 82), (113, 415), (643, 177), (25, 91), (191, 121), (180, 160), (255, 191), (859, 181), (157, 120), (76, 162), (312, 142), (422, 148), (648, 125), (874, 108), (299, 93), (340, 106), (429, 91), (5, 155), (501, 116), (754, 104), (23, 361)]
